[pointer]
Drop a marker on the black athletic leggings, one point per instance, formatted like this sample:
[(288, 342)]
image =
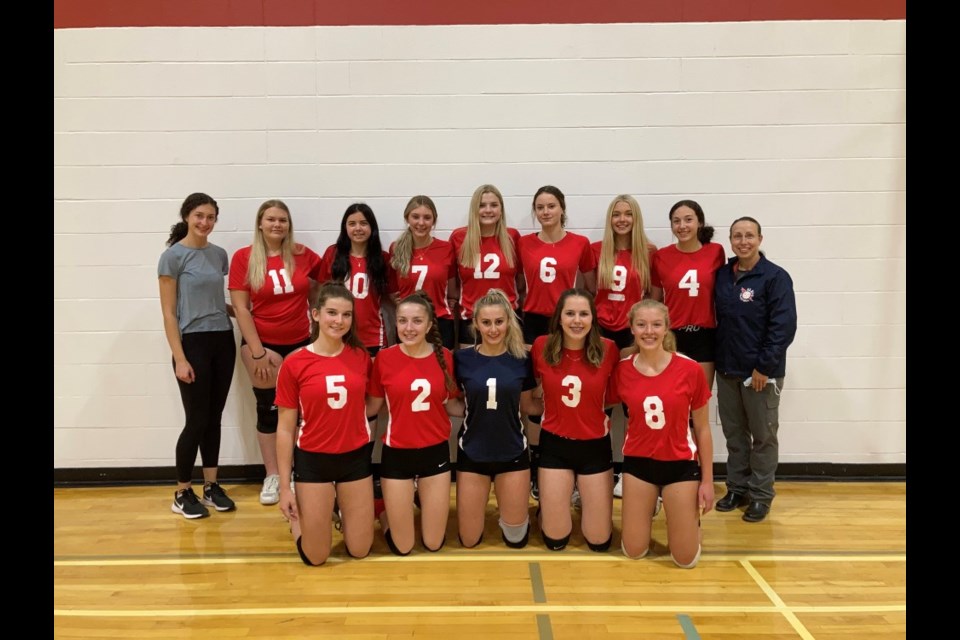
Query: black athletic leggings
[(212, 355)]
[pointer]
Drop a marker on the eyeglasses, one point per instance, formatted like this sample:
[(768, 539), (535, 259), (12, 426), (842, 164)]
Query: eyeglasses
[(741, 236)]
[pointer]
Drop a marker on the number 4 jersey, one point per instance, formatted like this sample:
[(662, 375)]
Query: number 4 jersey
[(687, 281), (660, 407)]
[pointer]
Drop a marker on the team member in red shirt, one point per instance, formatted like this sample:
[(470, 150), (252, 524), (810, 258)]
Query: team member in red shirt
[(420, 262), (486, 253), (358, 260), (415, 379), (660, 456), (270, 283), (330, 449), (686, 273), (551, 259), (573, 364)]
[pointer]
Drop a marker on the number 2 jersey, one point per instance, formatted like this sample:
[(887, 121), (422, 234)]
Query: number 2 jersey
[(660, 407), (330, 392), (574, 391), (416, 390), (687, 281), (491, 385), (550, 268), (366, 306)]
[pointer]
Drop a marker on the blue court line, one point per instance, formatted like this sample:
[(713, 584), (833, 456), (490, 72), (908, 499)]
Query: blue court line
[(689, 631)]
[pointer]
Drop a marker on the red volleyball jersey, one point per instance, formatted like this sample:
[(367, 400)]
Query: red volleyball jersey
[(687, 281), (430, 269), (550, 268), (416, 391), (660, 407), (280, 308), (492, 272), (626, 289), (366, 311), (330, 393), (574, 391)]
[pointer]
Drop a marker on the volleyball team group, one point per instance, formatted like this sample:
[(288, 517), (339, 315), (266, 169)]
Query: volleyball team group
[(491, 327)]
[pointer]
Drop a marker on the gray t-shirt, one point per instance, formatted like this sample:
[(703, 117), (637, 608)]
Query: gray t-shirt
[(201, 305)]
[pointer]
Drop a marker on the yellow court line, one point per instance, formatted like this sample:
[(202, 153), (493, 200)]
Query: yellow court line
[(473, 557), (454, 609), (780, 604)]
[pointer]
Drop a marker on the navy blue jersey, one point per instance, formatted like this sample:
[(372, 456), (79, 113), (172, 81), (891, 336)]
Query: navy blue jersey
[(491, 430)]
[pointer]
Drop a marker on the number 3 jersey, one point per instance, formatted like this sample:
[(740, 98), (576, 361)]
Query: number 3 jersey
[(491, 430), (280, 306), (330, 392), (416, 391), (687, 281), (660, 407), (574, 391)]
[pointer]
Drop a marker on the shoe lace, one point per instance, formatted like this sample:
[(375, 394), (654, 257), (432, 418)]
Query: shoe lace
[(187, 496), (271, 484), (214, 489)]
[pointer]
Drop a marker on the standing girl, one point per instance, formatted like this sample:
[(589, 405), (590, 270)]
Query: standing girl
[(573, 364), (270, 283), (415, 378), (497, 382), (200, 336), (660, 458), (330, 448)]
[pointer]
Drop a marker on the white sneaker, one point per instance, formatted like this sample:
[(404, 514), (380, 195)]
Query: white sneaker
[(575, 499), (618, 488), (270, 493), (656, 509)]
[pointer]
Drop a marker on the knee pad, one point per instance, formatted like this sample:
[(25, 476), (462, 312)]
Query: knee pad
[(440, 546), (603, 546), (692, 563), (304, 557), (515, 536), (555, 544), (266, 410), (469, 546), (393, 545), (642, 555)]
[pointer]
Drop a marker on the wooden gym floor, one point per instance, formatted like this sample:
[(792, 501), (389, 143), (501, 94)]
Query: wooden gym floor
[(828, 563)]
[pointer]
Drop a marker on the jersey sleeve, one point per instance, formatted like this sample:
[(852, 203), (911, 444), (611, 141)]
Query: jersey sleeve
[(326, 264), (448, 358), (169, 265), (654, 270), (288, 387), (701, 394), (314, 263), (374, 381), (588, 262), (238, 270)]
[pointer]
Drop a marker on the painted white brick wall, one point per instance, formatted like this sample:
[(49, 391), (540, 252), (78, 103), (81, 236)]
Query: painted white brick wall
[(800, 124)]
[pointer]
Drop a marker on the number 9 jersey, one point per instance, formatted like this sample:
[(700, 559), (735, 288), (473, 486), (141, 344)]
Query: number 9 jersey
[(660, 407)]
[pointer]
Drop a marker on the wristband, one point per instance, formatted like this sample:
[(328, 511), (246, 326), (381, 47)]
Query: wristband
[(262, 356)]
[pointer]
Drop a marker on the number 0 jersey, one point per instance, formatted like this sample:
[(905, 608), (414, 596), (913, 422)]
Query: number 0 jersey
[(330, 394), (660, 407), (491, 385), (574, 391), (416, 390), (366, 306), (687, 281), (550, 268)]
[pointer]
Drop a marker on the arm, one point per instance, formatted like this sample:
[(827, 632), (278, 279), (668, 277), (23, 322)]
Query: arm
[(531, 405), (590, 282), (171, 327), (453, 296), (521, 281), (701, 431), (241, 309), (374, 405), (455, 407), (656, 293), (286, 436), (781, 328)]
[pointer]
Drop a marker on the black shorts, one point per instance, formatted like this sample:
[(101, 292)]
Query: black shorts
[(332, 467), (583, 457), (447, 327), (407, 464), (373, 351), (534, 326), (661, 472), (283, 349), (622, 338), (697, 343), (465, 332), (492, 469)]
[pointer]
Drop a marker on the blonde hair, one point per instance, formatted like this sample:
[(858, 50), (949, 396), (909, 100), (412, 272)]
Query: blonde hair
[(257, 266), (514, 337), (669, 340), (470, 251), (639, 246), (403, 247)]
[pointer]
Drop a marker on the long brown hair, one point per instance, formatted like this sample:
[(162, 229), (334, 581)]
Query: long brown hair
[(593, 347), (334, 289)]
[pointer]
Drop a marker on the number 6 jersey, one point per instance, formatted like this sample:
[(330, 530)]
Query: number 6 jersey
[(660, 407)]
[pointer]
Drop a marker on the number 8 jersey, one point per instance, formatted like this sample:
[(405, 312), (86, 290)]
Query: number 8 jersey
[(660, 407)]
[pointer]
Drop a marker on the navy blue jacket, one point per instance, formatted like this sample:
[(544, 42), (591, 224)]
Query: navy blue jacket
[(756, 319)]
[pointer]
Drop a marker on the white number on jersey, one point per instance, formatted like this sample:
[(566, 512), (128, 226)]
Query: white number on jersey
[(653, 412), (338, 390), (618, 284), (689, 281), (420, 403), (492, 261), (573, 385), (281, 282), (548, 269), (359, 285), (491, 393), (421, 271)]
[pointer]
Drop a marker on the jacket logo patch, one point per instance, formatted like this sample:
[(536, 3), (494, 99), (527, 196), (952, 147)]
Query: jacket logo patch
[(746, 294)]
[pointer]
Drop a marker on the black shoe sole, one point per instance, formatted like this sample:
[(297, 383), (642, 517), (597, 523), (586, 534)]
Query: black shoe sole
[(724, 508)]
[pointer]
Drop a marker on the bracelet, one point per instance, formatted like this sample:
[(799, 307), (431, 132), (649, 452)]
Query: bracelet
[(260, 357)]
